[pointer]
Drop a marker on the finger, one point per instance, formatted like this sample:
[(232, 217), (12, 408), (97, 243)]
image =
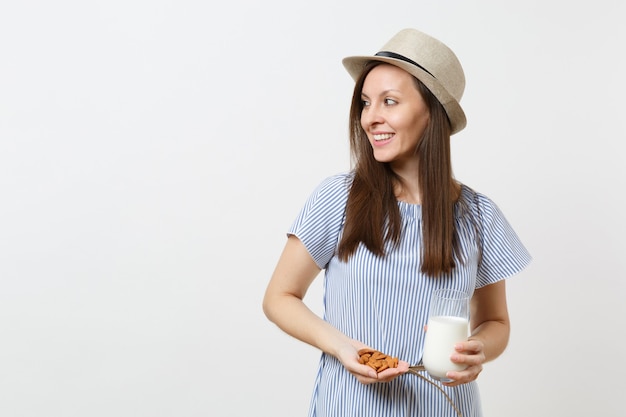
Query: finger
[(389, 374), (473, 345), (469, 347), (403, 366), (365, 380), (462, 377), (469, 360), (366, 371)]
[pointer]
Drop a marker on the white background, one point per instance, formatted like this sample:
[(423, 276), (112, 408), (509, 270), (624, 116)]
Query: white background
[(153, 154)]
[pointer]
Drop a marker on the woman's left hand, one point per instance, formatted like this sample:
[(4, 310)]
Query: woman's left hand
[(471, 354)]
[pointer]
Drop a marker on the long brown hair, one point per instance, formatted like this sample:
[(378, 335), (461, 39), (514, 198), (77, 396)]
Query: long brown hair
[(372, 213)]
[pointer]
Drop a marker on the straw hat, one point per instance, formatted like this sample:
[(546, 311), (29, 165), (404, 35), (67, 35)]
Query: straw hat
[(430, 61)]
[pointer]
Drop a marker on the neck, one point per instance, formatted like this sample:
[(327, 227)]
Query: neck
[(408, 191), (407, 186)]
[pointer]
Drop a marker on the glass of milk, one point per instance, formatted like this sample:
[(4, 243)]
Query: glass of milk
[(448, 324)]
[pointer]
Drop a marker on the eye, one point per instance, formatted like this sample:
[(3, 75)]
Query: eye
[(390, 102), (364, 103)]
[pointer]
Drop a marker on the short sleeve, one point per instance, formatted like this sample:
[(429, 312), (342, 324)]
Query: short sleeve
[(503, 254), (319, 223)]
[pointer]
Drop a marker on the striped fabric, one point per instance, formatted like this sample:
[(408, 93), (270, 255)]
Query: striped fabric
[(383, 302)]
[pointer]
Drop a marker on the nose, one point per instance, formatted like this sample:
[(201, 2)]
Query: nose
[(371, 116)]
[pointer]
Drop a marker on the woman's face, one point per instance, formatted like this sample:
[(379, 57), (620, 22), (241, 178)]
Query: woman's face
[(394, 114)]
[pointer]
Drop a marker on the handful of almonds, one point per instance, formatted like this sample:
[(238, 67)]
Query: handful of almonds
[(377, 360)]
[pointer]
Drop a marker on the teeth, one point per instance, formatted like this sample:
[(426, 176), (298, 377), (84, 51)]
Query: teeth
[(384, 136)]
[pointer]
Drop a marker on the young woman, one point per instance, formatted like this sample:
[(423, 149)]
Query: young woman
[(390, 232)]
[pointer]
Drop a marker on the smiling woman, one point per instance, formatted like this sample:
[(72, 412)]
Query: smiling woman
[(388, 233), (153, 153), (394, 117)]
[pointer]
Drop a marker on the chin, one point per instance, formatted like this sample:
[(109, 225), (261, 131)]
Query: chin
[(383, 158)]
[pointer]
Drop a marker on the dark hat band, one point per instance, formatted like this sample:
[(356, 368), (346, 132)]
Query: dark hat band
[(393, 55)]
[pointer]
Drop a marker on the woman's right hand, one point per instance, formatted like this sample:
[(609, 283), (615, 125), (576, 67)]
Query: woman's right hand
[(283, 304), (348, 355)]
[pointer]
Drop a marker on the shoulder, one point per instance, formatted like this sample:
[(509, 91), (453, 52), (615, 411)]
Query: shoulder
[(477, 200), (502, 252), (341, 181), (320, 221), (330, 195), (335, 187), (481, 209)]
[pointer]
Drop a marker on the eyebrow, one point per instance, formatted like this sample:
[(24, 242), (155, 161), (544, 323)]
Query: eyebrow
[(384, 93)]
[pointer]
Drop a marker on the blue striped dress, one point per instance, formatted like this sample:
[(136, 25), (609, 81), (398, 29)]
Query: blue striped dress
[(383, 302)]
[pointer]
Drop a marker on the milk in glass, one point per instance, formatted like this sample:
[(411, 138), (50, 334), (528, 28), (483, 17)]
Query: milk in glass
[(442, 334)]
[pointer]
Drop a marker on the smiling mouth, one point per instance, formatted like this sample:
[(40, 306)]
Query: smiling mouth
[(383, 136)]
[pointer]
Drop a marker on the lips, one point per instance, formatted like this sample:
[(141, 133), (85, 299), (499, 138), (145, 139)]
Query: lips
[(382, 136)]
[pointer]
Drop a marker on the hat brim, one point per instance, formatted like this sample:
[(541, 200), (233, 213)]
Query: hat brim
[(355, 65)]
